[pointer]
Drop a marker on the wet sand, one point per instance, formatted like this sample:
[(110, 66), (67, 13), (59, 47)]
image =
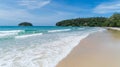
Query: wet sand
[(100, 49)]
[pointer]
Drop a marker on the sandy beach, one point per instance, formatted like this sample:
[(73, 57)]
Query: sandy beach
[(101, 49)]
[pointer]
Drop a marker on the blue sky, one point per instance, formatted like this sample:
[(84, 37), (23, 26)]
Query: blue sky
[(48, 12)]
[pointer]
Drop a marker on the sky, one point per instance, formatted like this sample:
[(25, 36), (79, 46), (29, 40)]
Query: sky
[(49, 12)]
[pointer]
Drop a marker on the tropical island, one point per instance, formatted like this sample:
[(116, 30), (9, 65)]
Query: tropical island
[(25, 24), (113, 21)]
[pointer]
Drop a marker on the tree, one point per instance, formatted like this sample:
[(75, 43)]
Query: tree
[(114, 20), (91, 21), (25, 24)]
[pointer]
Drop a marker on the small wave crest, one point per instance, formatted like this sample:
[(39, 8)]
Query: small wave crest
[(9, 33), (62, 30), (29, 35), (12, 31)]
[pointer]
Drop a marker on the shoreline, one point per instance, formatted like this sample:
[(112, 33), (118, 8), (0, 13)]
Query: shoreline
[(113, 28), (92, 47)]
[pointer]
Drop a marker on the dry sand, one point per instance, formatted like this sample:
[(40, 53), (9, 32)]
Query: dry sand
[(101, 49)]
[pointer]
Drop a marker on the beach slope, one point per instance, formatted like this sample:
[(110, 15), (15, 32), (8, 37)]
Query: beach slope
[(101, 49)]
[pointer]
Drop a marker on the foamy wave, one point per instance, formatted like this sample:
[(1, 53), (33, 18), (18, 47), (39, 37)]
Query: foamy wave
[(101, 30), (47, 54), (62, 30), (44, 55), (9, 33), (81, 28), (114, 28), (12, 31), (29, 35)]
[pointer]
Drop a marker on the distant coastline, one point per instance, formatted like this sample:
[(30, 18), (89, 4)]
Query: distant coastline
[(113, 21)]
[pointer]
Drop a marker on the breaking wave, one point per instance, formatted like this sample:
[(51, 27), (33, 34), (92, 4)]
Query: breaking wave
[(9, 33), (45, 51), (28, 35), (62, 30)]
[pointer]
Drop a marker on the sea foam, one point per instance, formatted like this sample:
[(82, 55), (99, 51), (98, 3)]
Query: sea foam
[(46, 54), (10, 32), (62, 30), (28, 35)]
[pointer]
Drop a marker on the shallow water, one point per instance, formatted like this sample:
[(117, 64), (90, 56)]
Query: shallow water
[(39, 46)]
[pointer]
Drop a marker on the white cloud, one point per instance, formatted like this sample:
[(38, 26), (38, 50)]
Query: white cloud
[(14, 16), (108, 7), (33, 4)]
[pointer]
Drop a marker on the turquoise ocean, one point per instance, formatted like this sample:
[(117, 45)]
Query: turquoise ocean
[(39, 46)]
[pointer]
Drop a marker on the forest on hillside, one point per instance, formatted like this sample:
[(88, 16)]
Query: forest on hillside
[(113, 21)]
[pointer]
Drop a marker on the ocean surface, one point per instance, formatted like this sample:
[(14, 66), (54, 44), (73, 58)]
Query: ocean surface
[(40, 46)]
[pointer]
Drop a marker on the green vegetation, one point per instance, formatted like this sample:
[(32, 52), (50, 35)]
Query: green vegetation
[(113, 21), (25, 24)]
